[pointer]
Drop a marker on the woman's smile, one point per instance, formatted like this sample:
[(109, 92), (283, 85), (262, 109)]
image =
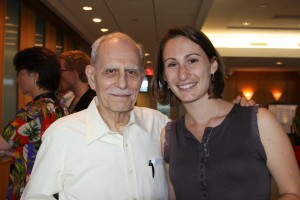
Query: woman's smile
[(187, 86)]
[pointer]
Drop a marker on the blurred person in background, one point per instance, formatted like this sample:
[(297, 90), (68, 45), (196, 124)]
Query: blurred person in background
[(296, 128), (73, 78), (296, 122), (38, 75)]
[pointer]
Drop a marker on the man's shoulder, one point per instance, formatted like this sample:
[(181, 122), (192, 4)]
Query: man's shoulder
[(71, 121), (146, 114), (68, 129)]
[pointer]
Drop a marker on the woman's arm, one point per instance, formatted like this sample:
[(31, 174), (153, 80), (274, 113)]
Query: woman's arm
[(171, 193), (3, 144), (281, 159), (5, 148)]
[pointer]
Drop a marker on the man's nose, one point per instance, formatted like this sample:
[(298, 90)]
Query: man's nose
[(122, 81)]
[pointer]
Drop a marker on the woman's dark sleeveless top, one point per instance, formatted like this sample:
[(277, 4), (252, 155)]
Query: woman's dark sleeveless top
[(229, 162)]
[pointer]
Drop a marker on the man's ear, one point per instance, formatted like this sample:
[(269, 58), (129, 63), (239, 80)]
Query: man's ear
[(90, 71)]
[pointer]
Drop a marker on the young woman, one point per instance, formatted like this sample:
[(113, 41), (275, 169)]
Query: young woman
[(217, 150)]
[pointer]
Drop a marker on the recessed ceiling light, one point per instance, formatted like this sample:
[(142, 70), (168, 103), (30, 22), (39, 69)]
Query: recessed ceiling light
[(149, 62), (147, 54), (104, 29), (97, 20), (262, 5), (246, 23), (279, 63), (87, 8)]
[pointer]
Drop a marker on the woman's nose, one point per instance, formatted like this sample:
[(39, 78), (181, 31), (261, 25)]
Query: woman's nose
[(183, 72)]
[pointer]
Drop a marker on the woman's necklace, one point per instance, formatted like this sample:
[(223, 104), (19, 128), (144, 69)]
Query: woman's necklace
[(205, 140), (205, 149), (212, 122)]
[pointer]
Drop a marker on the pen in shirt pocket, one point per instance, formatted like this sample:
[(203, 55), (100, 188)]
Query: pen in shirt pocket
[(154, 162), (152, 167)]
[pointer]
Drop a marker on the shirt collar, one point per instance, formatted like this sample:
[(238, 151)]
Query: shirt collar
[(97, 128)]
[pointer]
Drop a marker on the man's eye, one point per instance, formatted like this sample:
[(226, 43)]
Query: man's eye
[(132, 72), (110, 71)]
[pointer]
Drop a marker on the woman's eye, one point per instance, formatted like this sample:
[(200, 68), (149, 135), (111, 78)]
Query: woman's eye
[(191, 61), (171, 65)]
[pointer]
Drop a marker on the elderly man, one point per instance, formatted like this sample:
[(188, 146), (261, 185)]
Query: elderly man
[(111, 150)]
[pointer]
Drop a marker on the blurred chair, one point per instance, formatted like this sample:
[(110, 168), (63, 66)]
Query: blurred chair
[(4, 177)]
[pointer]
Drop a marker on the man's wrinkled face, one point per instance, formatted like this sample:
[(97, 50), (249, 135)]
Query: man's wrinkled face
[(117, 76)]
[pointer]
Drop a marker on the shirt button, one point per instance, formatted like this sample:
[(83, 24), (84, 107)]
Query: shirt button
[(201, 176)]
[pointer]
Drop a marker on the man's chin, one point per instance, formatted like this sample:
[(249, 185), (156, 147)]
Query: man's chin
[(122, 108)]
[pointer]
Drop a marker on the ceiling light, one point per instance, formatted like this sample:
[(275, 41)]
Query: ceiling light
[(149, 62), (246, 23), (258, 43), (104, 30), (87, 8), (147, 54), (255, 41), (279, 63), (97, 20), (262, 5)]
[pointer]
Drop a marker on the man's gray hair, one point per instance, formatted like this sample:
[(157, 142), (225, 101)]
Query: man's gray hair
[(96, 46)]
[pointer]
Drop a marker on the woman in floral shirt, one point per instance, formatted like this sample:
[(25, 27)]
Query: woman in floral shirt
[(38, 77)]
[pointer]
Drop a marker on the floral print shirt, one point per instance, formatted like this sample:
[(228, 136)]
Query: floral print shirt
[(24, 134)]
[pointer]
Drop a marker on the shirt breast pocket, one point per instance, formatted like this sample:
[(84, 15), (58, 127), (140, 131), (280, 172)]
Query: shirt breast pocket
[(157, 172)]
